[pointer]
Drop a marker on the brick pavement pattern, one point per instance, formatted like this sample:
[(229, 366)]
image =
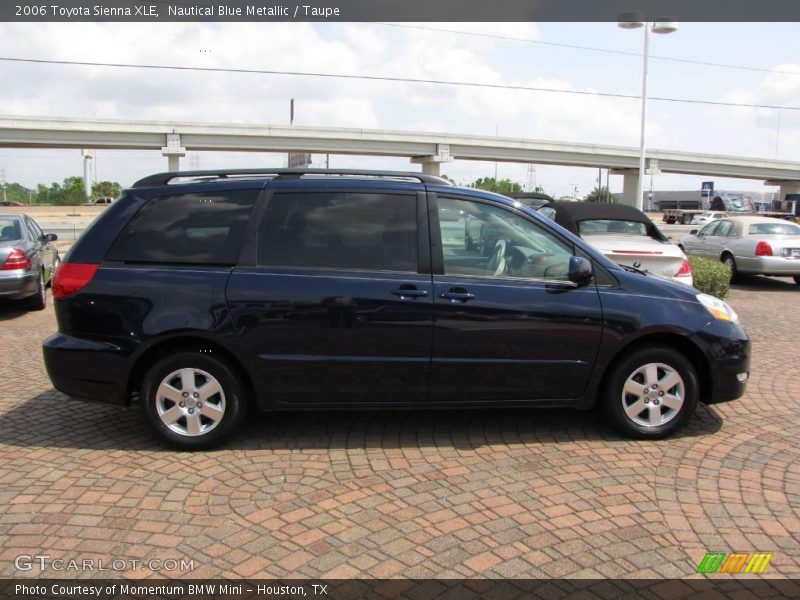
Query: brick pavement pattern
[(406, 494)]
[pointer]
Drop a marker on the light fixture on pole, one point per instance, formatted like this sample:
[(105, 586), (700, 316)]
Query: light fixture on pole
[(633, 21)]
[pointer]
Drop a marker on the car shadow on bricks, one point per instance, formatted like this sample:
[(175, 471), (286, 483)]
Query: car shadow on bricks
[(12, 309), (53, 420), (759, 283)]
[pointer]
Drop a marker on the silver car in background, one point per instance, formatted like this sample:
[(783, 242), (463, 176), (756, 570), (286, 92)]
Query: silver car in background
[(28, 260), (752, 244)]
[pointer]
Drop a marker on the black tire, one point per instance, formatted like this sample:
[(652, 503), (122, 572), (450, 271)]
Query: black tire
[(730, 262), (231, 399), (39, 300), (797, 279), (669, 419)]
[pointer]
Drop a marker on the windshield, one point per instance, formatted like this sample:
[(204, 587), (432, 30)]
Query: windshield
[(9, 230), (774, 229), (612, 226)]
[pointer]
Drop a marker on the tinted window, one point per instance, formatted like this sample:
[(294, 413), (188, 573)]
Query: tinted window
[(200, 228), (489, 241), (9, 230), (340, 230)]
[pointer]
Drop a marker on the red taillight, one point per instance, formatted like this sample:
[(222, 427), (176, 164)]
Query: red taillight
[(763, 249), (71, 278), (685, 270), (16, 260)]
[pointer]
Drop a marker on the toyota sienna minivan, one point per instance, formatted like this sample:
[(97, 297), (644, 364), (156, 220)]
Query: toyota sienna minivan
[(202, 295)]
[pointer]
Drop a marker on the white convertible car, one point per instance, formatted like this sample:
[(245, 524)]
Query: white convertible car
[(625, 235)]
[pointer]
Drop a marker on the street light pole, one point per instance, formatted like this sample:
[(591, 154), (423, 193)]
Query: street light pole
[(645, 60), (630, 21)]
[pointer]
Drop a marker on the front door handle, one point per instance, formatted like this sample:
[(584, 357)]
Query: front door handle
[(457, 295), (409, 293)]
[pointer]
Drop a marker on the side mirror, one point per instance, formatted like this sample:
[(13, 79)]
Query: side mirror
[(693, 232), (580, 270), (50, 237)]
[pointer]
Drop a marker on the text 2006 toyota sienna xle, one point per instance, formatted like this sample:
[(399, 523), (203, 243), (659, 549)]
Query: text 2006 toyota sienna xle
[(202, 295)]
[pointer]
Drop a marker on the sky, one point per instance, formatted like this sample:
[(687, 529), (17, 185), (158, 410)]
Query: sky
[(767, 57)]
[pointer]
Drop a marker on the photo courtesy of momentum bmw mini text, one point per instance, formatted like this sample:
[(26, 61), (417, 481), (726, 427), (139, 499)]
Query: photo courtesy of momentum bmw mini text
[(399, 299)]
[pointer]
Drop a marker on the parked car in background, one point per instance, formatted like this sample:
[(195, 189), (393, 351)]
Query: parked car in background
[(28, 260), (200, 295), (625, 235), (103, 201), (10, 203), (750, 244), (707, 216)]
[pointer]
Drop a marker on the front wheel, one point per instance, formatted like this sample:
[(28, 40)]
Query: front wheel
[(651, 393), (192, 400), (797, 279)]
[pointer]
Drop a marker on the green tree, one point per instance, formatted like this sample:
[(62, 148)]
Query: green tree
[(14, 192), (106, 188), (600, 194), (502, 186)]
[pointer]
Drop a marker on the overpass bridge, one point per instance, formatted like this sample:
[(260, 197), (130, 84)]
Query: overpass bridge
[(430, 150)]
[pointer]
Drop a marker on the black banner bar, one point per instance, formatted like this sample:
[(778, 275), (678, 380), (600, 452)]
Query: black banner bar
[(723, 586), (400, 10)]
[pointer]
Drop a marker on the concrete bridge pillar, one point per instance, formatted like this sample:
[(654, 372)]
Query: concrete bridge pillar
[(786, 187), (630, 183), (432, 164), (173, 151)]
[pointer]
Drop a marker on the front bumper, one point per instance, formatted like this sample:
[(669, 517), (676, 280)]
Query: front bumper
[(18, 283), (727, 348), (86, 369)]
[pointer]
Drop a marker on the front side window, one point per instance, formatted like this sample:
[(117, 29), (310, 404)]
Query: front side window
[(340, 230), (200, 228), (489, 241)]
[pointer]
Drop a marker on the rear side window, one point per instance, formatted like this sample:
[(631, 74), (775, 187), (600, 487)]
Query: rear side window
[(199, 228), (340, 230)]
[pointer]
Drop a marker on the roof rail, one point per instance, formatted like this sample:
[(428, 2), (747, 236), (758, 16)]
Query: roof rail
[(166, 178)]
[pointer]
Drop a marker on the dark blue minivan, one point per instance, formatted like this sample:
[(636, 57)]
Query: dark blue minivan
[(201, 295)]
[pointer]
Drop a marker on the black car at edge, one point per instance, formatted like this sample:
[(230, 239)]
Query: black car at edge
[(200, 295)]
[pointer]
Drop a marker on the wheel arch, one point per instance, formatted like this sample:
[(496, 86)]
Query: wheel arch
[(182, 343), (671, 340)]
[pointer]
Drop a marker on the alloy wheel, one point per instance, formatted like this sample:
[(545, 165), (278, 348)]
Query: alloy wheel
[(653, 395), (190, 402)]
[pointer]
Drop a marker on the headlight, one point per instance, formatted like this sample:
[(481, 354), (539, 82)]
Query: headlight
[(718, 308)]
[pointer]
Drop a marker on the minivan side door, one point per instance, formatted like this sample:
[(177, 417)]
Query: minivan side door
[(508, 325), (335, 307)]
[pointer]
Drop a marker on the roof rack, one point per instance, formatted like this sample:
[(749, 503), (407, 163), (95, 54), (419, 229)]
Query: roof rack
[(165, 178)]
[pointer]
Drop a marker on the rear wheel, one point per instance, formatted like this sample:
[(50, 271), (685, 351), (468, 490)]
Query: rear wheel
[(651, 393), (39, 300), (730, 262), (797, 279), (192, 400)]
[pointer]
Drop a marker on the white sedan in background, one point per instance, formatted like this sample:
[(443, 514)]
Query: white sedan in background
[(625, 235), (754, 245), (707, 217)]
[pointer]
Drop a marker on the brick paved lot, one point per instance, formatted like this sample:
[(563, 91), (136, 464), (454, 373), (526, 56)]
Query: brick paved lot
[(440, 494)]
